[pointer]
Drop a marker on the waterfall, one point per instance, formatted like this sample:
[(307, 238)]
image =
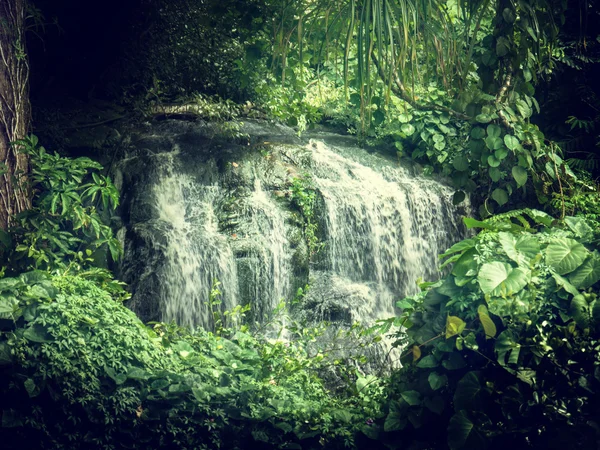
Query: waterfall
[(384, 227), (196, 253), (221, 210)]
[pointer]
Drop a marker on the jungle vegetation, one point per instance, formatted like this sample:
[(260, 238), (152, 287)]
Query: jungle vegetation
[(499, 96)]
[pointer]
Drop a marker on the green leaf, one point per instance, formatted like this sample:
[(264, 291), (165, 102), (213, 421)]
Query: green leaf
[(408, 129), (404, 118), (363, 382), (394, 421), (36, 333), (493, 143), (459, 430), (31, 388), (5, 355), (454, 362), (477, 133), (587, 274), (483, 118), (458, 197), (502, 46), (501, 279), (522, 249), (11, 419), (493, 161), (136, 373), (413, 398), (511, 142), (494, 131), (501, 153), (508, 15), (506, 344), (580, 227), (465, 266), (495, 174), (565, 284), (454, 325), (459, 247), (489, 327), (524, 108), (437, 381), (520, 175), (460, 163), (565, 255), (580, 312), (428, 362), (595, 307), (500, 196), (467, 391)]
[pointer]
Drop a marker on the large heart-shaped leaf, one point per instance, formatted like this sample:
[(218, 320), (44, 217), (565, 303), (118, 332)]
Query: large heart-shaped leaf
[(501, 279), (580, 311), (565, 255), (459, 430), (587, 274), (467, 392), (520, 175), (500, 196), (522, 249)]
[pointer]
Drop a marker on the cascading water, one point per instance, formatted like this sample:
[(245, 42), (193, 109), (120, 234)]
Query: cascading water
[(220, 210), (384, 227), (196, 253)]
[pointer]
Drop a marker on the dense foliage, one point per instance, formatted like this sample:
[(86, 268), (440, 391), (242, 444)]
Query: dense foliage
[(504, 350), (79, 370)]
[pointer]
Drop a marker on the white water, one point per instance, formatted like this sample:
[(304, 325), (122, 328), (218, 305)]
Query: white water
[(196, 253), (383, 228)]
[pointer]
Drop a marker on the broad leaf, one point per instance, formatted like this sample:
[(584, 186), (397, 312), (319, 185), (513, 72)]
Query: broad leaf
[(394, 422), (477, 133), (511, 142), (520, 175), (580, 312), (580, 227), (565, 255), (437, 381), (522, 249), (413, 398), (427, 362), (507, 345), (500, 196), (459, 430), (501, 279), (494, 131), (454, 325), (587, 274), (467, 392)]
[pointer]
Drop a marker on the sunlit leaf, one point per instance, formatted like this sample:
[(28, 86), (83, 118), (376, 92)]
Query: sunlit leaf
[(565, 255), (488, 324)]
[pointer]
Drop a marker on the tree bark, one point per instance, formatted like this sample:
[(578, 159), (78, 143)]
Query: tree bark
[(15, 110)]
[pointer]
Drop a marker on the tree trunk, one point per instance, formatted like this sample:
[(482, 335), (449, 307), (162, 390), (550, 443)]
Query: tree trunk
[(15, 111)]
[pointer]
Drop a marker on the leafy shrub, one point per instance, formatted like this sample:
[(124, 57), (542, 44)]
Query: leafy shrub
[(66, 224), (79, 370), (505, 349)]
